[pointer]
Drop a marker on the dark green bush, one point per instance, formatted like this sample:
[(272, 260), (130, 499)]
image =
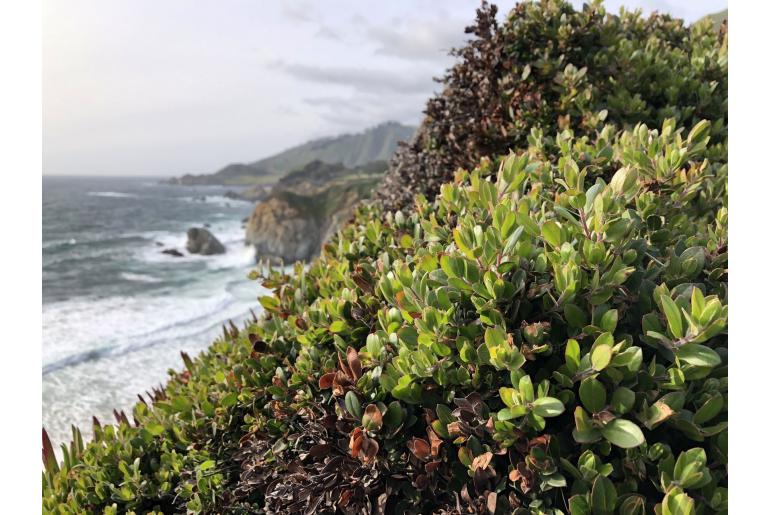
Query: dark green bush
[(548, 335), (553, 66)]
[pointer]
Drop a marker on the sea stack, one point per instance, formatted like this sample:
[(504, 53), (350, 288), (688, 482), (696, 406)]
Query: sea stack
[(201, 241)]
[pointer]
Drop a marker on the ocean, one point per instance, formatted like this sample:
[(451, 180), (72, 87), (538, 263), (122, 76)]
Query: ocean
[(116, 311)]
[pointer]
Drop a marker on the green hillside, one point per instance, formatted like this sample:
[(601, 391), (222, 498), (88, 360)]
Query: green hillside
[(351, 150)]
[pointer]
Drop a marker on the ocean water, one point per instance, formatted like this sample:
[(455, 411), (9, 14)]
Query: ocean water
[(116, 311)]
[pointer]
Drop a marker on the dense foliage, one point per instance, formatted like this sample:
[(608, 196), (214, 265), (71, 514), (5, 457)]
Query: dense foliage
[(550, 65), (548, 335)]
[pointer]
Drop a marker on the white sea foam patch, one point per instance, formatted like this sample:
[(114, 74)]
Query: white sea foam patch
[(217, 200), (85, 328), (111, 194), (140, 278), (231, 234), (99, 354)]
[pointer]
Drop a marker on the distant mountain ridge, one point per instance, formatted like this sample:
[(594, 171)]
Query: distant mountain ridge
[(351, 150)]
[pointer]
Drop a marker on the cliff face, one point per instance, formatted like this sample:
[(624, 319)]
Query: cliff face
[(306, 208), (280, 231)]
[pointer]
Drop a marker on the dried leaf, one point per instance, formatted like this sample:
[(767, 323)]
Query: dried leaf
[(326, 380), (354, 363), (419, 447)]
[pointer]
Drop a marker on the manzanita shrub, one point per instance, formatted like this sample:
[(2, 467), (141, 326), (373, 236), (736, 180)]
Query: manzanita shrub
[(545, 335), (548, 336), (552, 65)]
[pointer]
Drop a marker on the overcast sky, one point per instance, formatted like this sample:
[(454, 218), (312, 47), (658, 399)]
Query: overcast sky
[(165, 87)]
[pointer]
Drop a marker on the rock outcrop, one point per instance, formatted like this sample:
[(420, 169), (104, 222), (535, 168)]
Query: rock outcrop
[(172, 252), (201, 241), (306, 208), (281, 231)]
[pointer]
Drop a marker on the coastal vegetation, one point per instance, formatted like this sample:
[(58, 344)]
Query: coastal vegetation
[(531, 319)]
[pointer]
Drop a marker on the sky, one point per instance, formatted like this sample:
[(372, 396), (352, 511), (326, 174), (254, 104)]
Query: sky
[(149, 87)]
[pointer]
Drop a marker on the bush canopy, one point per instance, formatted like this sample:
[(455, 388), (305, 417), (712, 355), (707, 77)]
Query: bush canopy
[(547, 335)]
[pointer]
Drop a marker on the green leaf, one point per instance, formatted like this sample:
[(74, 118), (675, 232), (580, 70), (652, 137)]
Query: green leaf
[(155, 429), (352, 404), (575, 316), (508, 396), (547, 407), (393, 416), (526, 389), (623, 433), (592, 395), (338, 326), (633, 505), (207, 465), (552, 233), (578, 505), (601, 357), (494, 337), (572, 355), (690, 470), (698, 355), (697, 132), (623, 400), (512, 240), (229, 400), (514, 412), (673, 316), (604, 496), (270, 303), (616, 229), (676, 502), (609, 320), (710, 409), (529, 225), (444, 414)]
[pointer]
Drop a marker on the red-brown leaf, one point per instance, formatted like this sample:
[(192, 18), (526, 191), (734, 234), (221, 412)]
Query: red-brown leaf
[(356, 440), (482, 461), (431, 467), (419, 447), (435, 442), (354, 363), (369, 449), (372, 419), (326, 380), (49, 458), (320, 450), (492, 502)]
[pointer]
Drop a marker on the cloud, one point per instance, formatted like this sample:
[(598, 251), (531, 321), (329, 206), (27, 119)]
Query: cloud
[(301, 12), (327, 33), (363, 79), (418, 40), (359, 110)]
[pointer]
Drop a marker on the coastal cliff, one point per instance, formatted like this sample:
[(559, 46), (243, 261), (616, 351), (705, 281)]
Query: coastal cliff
[(307, 207)]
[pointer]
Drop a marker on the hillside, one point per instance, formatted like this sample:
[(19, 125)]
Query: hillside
[(352, 150), (375, 144)]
